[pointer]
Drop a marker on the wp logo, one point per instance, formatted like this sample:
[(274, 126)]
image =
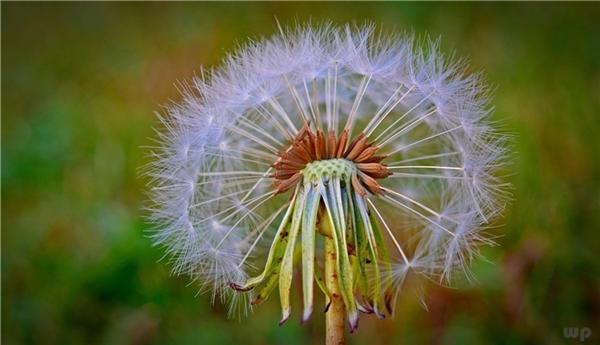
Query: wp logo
[(577, 333)]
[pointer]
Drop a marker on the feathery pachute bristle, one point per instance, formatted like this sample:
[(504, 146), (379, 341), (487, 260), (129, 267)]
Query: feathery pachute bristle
[(378, 136)]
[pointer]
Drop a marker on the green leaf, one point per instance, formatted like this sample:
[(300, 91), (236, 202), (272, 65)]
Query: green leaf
[(309, 220), (377, 291), (268, 287), (334, 205), (361, 248), (287, 265), (276, 251), (385, 258)]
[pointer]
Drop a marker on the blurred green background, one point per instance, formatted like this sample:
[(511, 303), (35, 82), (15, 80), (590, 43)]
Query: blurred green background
[(80, 83)]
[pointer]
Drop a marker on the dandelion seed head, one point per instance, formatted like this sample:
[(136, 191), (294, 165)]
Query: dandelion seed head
[(380, 133)]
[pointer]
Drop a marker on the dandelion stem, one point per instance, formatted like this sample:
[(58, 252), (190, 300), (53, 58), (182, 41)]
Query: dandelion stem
[(335, 316)]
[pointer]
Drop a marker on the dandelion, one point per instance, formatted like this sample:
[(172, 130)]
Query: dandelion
[(351, 156)]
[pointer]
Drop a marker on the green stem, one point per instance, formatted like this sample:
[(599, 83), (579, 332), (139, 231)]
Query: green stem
[(335, 316)]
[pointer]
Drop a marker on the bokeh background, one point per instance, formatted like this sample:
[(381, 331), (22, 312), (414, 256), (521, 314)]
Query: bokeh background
[(80, 83)]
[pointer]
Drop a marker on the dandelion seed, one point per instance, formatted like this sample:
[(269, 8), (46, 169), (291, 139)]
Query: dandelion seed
[(369, 153)]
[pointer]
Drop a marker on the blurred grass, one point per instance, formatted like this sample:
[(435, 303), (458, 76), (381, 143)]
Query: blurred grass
[(80, 83)]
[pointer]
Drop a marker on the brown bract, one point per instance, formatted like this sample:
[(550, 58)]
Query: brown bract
[(309, 146)]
